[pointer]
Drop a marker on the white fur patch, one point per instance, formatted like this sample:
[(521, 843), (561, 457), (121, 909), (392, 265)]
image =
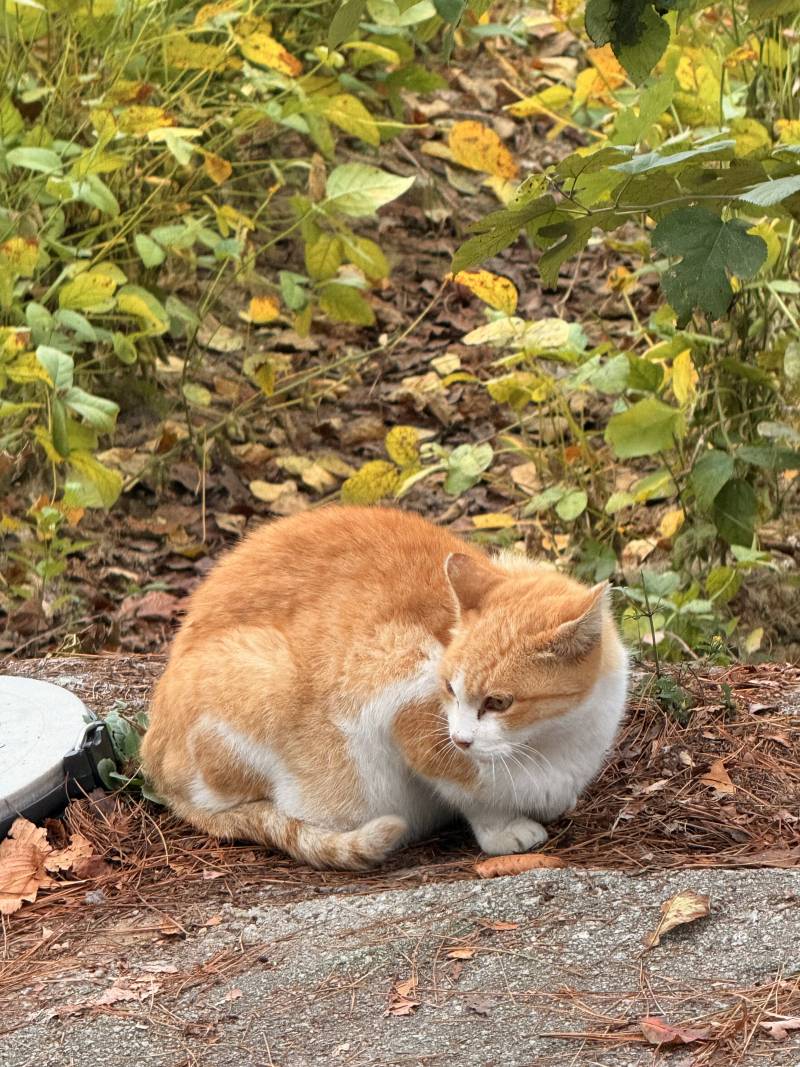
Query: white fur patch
[(280, 785), (388, 786)]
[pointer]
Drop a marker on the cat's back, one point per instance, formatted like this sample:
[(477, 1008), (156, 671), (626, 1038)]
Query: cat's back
[(327, 557)]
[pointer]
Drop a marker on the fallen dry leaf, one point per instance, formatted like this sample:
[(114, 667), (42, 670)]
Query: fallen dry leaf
[(461, 953), (778, 1029), (497, 866), (23, 855), (65, 859), (402, 999), (717, 777), (477, 147), (487, 924), (683, 908), (657, 1032)]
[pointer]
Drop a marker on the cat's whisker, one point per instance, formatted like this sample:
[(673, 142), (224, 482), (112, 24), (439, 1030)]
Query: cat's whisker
[(534, 753)]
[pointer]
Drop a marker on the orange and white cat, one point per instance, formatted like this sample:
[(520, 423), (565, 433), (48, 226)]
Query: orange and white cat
[(350, 679)]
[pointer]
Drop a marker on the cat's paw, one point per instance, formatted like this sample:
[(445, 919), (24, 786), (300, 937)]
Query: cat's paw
[(519, 835)]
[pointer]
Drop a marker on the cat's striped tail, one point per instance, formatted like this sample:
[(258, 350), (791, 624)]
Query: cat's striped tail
[(260, 821)]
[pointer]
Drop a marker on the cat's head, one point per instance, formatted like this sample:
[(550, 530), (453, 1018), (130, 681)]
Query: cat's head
[(526, 647)]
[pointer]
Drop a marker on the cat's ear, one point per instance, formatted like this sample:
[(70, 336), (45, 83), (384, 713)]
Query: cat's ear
[(470, 580), (578, 636)]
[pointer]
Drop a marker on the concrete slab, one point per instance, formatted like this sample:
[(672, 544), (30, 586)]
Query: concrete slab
[(488, 972)]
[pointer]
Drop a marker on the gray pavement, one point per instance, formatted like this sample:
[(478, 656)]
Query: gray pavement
[(485, 971)]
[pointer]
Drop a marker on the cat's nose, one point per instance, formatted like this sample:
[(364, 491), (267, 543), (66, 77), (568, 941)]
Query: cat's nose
[(459, 741)]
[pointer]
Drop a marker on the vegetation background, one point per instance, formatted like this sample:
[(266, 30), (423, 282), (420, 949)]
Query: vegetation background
[(529, 269)]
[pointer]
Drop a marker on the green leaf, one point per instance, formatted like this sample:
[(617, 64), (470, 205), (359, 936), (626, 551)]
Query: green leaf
[(293, 291), (43, 160), (93, 191), (648, 427), (345, 22), (734, 512), (770, 458), (366, 255), (90, 484), (650, 161), (11, 122), (765, 194), (636, 33), (197, 394), (345, 304), (709, 474), (770, 9), (358, 189), (451, 11), (59, 366), (58, 427), (710, 250), (150, 251), (571, 505), (98, 412), (465, 467), (324, 257), (349, 114)]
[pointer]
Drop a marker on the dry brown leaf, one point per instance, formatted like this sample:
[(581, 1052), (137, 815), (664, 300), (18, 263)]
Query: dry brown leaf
[(22, 865), (402, 998), (497, 866), (488, 925), (684, 907), (778, 1029), (461, 953), (78, 850), (527, 477), (657, 1032), (717, 777)]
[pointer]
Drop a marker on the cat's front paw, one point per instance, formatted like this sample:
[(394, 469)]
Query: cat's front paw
[(520, 835)]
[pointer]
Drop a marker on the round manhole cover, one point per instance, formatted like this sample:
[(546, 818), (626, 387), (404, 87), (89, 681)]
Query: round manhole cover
[(40, 724)]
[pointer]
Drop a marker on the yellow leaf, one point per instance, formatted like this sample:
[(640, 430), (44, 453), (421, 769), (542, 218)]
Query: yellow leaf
[(765, 231), (265, 51), (139, 121), (554, 99), (684, 378), (13, 340), (402, 445), (788, 131), (373, 482), (20, 254), (495, 520), (493, 289), (745, 53), (45, 442), (217, 168), (184, 54), (349, 114), (565, 9), (91, 291), (620, 280), (263, 309), (211, 11), (27, 368), (672, 522), (753, 640), (683, 908), (477, 147), (751, 137)]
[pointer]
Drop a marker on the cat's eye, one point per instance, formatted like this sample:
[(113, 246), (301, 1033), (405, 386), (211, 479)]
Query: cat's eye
[(449, 689), (498, 702)]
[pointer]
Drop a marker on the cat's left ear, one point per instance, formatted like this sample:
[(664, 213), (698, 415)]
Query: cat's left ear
[(578, 636), (469, 579)]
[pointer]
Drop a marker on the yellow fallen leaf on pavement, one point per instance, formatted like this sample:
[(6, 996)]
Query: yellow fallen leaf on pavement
[(684, 907)]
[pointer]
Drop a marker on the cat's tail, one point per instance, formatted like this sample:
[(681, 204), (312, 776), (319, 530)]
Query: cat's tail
[(259, 820)]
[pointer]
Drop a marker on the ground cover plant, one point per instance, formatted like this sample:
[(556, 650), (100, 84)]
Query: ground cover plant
[(253, 257)]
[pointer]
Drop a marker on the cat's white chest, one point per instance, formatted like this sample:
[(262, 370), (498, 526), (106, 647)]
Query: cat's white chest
[(388, 785)]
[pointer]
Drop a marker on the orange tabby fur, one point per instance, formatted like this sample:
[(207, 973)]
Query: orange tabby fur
[(305, 705)]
